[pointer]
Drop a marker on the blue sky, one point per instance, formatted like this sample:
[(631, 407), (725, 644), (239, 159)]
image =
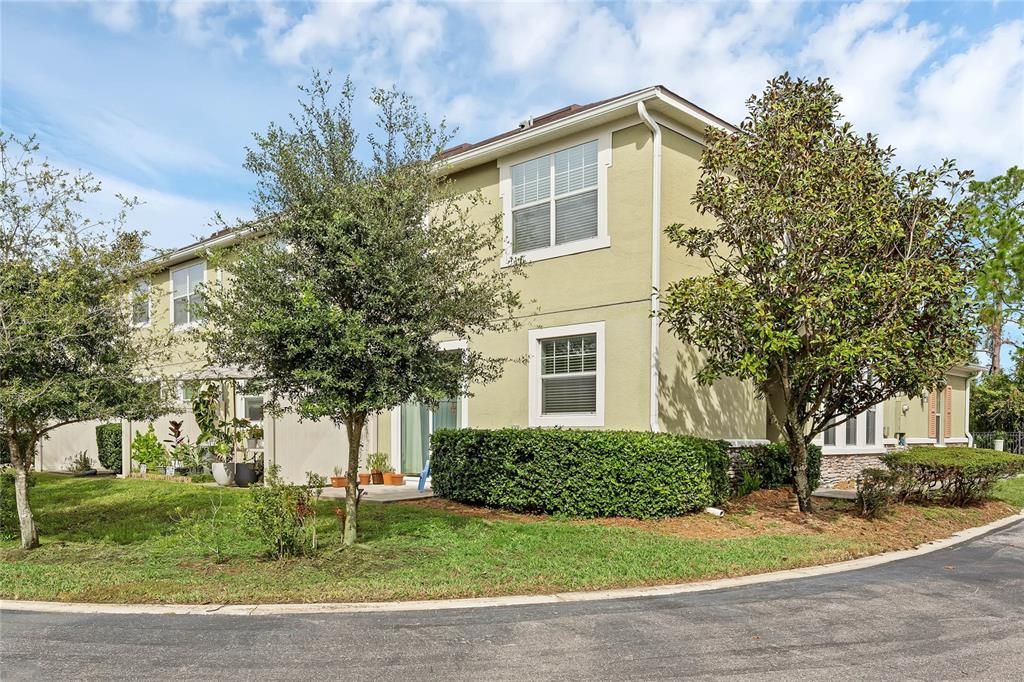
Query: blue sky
[(159, 99)]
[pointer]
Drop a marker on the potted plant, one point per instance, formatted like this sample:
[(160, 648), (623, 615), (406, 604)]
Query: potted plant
[(378, 462), (339, 479), (148, 451), (364, 478), (249, 470), (214, 439), (392, 477)]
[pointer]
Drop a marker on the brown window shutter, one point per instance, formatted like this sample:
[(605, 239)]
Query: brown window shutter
[(932, 398), (947, 412)]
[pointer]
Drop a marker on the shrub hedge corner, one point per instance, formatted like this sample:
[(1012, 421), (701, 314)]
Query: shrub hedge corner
[(954, 475), (108, 445), (580, 473)]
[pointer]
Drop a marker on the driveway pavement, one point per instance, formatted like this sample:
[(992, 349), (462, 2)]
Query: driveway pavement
[(956, 613)]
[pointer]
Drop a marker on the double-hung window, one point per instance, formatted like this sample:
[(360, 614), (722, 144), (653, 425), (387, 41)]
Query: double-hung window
[(140, 304), (567, 376), (860, 431), (186, 293), (555, 204)]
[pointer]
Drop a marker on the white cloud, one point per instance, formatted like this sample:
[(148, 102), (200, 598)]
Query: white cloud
[(971, 106), (119, 16), (328, 25)]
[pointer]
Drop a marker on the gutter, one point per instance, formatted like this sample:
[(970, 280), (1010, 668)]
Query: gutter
[(655, 260), (967, 405)]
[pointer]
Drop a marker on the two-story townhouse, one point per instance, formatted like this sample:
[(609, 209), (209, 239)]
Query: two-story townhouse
[(584, 193)]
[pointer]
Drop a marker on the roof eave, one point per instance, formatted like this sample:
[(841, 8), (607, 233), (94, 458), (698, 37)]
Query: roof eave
[(656, 97)]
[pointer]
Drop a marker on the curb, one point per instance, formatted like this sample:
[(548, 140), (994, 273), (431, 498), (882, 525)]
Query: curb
[(522, 600)]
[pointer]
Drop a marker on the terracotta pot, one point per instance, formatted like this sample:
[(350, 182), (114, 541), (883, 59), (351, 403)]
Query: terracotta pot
[(364, 478), (394, 479), (377, 477), (339, 481)]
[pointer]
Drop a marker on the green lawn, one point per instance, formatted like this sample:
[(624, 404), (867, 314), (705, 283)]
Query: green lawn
[(119, 540), (1011, 491)]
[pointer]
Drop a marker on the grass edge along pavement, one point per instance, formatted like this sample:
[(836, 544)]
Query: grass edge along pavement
[(111, 540)]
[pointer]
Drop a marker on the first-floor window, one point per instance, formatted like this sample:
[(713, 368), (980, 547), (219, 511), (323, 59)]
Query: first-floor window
[(851, 431), (567, 370), (252, 408), (830, 433), (569, 375), (871, 422), (187, 391)]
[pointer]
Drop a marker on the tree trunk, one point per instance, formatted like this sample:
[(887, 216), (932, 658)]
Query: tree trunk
[(801, 482), (354, 428), (995, 335), (22, 461)]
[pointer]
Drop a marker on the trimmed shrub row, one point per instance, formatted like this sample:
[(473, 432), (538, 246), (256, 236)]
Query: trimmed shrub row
[(580, 473), (770, 466), (956, 476)]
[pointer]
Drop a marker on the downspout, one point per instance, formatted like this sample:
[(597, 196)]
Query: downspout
[(655, 260), (967, 410)]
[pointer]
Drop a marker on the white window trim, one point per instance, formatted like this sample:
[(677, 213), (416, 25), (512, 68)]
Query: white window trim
[(604, 161), (860, 447), (538, 335), (396, 412), (149, 304), (191, 324)]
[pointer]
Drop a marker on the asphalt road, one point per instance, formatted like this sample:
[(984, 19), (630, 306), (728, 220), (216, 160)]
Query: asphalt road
[(952, 614)]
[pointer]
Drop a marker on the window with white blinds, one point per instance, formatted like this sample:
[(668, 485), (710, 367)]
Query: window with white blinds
[(555, 198), (140, 304), (569, 375)]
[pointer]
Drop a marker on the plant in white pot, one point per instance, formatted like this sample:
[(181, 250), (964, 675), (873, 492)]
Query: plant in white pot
[(214, 438)]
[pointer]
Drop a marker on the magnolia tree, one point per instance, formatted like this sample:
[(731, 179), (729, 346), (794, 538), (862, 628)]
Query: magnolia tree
[(68, 351), (357, 268), (835, 279), (996, 219)]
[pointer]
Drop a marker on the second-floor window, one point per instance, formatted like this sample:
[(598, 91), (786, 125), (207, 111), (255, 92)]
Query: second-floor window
[(186, 293), (140, 304), (554, 198)]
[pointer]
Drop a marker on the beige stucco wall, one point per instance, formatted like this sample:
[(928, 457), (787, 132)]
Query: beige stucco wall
[(915, 422), (730, 408)]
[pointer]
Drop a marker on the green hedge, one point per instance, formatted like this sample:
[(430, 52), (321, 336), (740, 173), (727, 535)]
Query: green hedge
[(579, 473), (957, 476), (772, 466), (108, 444)]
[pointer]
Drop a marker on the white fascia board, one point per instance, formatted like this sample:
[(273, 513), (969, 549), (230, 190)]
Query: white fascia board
[(654, 97)]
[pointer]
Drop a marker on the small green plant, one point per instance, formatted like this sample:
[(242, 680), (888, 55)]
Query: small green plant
[(378, 462), (746, 482), (281, 516), (108, 446), (205, 532), (78, 463), (339, 471), (147, 449), (201, 478), (874, 492)]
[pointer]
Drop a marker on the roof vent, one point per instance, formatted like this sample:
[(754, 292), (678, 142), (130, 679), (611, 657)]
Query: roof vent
[(528, 123)]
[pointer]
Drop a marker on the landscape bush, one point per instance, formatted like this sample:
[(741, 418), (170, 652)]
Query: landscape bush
[(147, 449), (874, 492), (108, 445), (580, 473), (771, 466), (283, 516), (956, 476)]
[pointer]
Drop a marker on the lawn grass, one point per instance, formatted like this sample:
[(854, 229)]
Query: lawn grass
[(111, 540), (1011, 491)]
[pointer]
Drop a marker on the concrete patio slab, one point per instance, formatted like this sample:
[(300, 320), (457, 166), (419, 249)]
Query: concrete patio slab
[(384, 493), (833, 494)]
